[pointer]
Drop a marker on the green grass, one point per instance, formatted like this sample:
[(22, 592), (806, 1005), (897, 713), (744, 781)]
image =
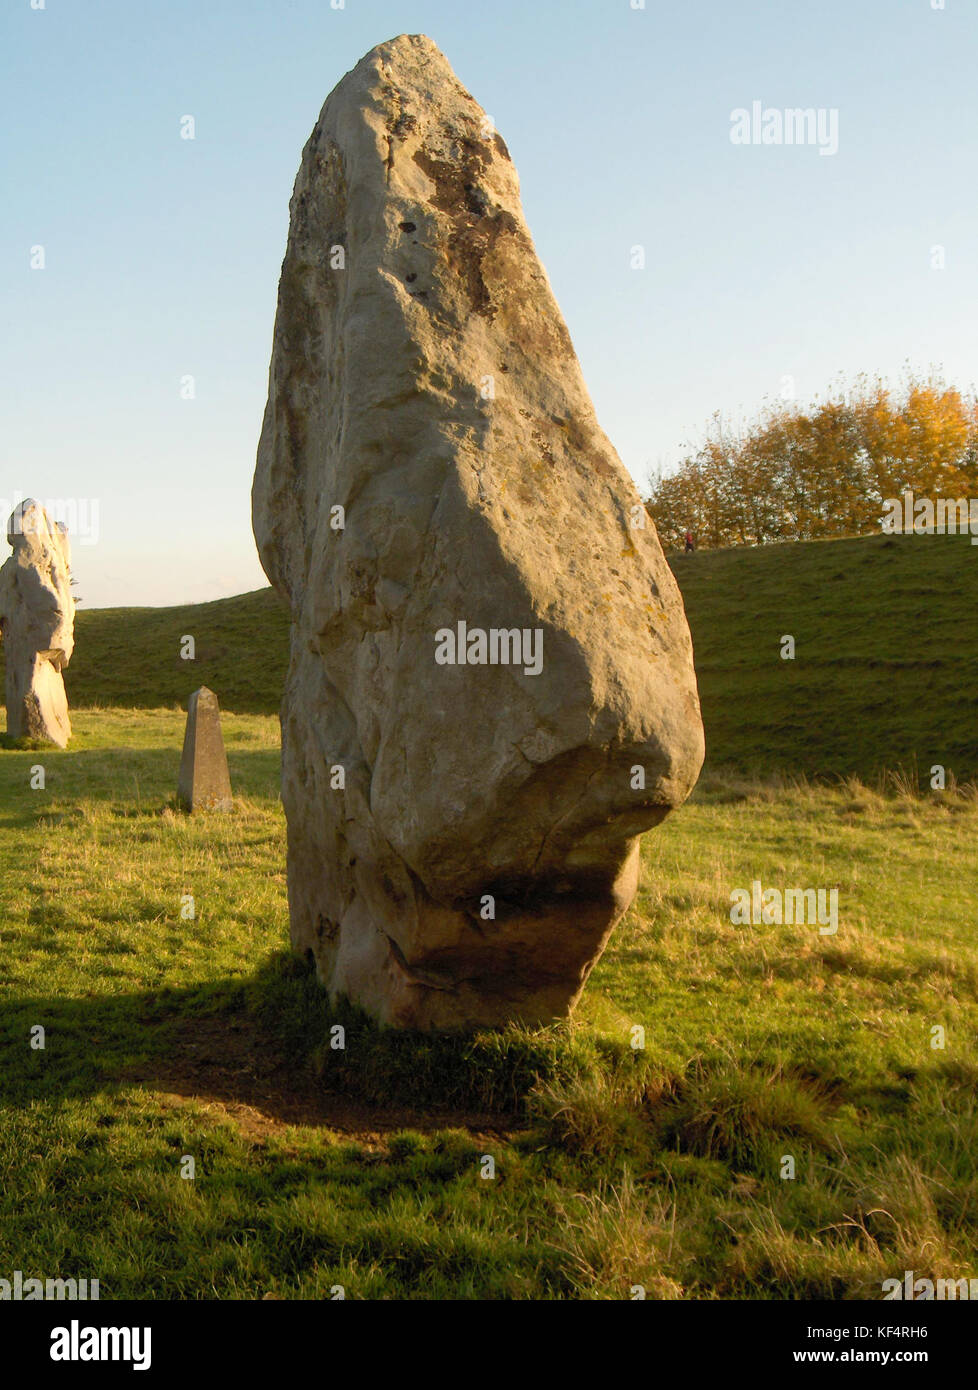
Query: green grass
[(131, 657), (361, 1167), (883, 677), (318, 1166), (885, 667)]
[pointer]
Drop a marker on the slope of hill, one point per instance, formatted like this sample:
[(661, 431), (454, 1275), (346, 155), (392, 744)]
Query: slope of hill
[(884, 673), (130, 657), (886, 655)]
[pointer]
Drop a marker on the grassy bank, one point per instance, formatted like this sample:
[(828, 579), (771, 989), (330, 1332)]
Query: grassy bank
[(131, 657), (884, 669), (168, 1037)]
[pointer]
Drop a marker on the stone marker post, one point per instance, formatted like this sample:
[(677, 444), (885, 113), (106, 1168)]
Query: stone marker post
[(204, 783)]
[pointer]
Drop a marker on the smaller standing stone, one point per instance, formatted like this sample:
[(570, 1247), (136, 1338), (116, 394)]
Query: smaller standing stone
[(204, 783), (37, 616)]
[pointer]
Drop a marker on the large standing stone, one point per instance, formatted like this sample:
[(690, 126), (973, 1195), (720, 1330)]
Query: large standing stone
[(37, 617), (462, 837), (204, 783)]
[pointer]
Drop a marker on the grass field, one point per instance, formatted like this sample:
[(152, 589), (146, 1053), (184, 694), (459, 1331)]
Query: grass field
[(131, 657), (885, 671), (168, 1038), (884, 674)]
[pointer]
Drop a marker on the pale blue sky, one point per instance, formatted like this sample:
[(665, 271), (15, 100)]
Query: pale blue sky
[(162, 255)]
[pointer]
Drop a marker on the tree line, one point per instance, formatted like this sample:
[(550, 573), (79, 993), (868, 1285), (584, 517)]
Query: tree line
[(800, 473)]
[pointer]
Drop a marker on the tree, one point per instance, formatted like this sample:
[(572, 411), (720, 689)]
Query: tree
[(801, 474)]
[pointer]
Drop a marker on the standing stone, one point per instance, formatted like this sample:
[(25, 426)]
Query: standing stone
[(37, 617), (491, 690), (204, 783)]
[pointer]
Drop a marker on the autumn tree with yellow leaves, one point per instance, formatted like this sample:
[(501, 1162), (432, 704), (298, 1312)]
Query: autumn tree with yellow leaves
[(826, 470)]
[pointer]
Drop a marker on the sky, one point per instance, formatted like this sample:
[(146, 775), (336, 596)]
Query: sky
[(769, 268)]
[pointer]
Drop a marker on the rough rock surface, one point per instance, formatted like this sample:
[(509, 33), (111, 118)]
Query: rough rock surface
[(462, 837), (203, 783), (37, 616)]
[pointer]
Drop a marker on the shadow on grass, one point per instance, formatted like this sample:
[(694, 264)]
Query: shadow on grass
[(274, 1042), (272, 1045)]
